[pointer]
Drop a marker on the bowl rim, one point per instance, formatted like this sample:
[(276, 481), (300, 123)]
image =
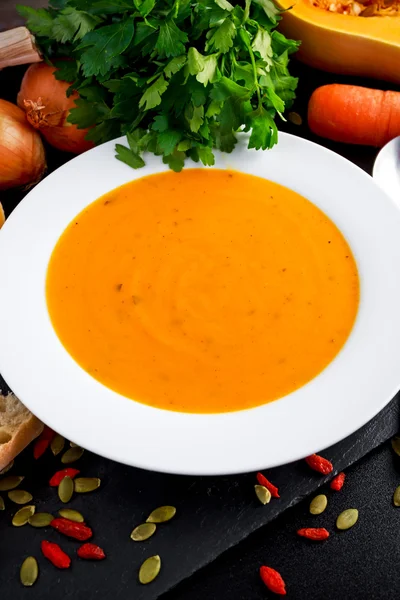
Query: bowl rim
[(351, 390)]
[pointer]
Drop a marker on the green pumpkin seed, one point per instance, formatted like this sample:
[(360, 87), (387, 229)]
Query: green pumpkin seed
[(72, 515), (143, 532), (40, 519), (66, 489), (57, 444), (2, 505), (396, 496), (23, 515), (162, 514), (86, 484), (263, 494), (7, 468), (347, 519), (396, 445), (72, 455), (149, 569), (20, 496), (10, 482), (29, 571), (318, 504)]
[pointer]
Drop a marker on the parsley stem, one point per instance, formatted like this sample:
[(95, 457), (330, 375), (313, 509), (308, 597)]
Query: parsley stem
[(253, 63)]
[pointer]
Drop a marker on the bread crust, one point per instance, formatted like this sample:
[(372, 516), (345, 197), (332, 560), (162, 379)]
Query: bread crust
[(26, 431)]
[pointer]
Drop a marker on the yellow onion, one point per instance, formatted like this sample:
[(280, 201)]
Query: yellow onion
[(45, 101), (22, 158)]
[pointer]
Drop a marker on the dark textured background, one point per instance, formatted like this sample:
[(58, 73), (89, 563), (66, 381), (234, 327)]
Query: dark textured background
[(219, 517)]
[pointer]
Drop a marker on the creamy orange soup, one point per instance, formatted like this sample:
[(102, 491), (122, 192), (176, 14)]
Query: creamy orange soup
[(205, 291)]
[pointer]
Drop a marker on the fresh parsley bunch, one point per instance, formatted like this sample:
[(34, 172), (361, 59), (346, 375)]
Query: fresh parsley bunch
[(178, 77)]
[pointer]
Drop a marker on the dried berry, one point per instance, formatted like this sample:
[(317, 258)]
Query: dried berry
[(337, 482), (273, 580), (55, 555), (43, 442), (314, 533), (59, 476), (91, 552), (320, 464), (270, 486), (78, 531)]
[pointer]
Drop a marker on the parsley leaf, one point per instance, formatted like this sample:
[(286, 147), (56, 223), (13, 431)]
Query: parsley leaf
[(105, 44), (152, 96), (270, 9), (262, 45), (204, 67), (167, 140), (264, 132), (224, 4), (222, 39), (179, 78), (171, 40), (128, 157), (174, 65), (67, 70), (39, 21), (72, 24)]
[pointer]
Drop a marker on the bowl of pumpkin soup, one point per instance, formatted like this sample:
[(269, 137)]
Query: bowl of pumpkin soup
[(211, 321)]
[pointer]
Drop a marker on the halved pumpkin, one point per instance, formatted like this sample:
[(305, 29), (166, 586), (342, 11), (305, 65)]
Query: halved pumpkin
[(341, 43)]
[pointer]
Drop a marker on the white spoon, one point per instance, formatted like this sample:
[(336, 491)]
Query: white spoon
[(386, 171)]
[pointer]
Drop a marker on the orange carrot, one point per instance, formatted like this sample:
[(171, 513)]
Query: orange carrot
[(354, 115)]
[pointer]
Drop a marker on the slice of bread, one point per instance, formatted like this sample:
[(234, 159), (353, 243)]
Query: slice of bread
[(18, 427)]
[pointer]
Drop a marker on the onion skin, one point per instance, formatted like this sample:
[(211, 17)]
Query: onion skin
[(22, 157), (47, 107)]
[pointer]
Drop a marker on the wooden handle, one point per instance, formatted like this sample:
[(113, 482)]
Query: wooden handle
[(17, 47)]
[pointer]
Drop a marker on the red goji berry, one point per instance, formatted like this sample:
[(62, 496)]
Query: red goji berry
[(78, 531), (270, 486), (91, 551), (314, 533), (43, 442), (273, 580), (55, 555), (338, 481), (320, 464), (47, 433), (59, 476), (40, 448)]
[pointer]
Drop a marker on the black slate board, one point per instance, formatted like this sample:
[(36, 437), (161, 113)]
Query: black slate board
[(359, 564), (214, 514)]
